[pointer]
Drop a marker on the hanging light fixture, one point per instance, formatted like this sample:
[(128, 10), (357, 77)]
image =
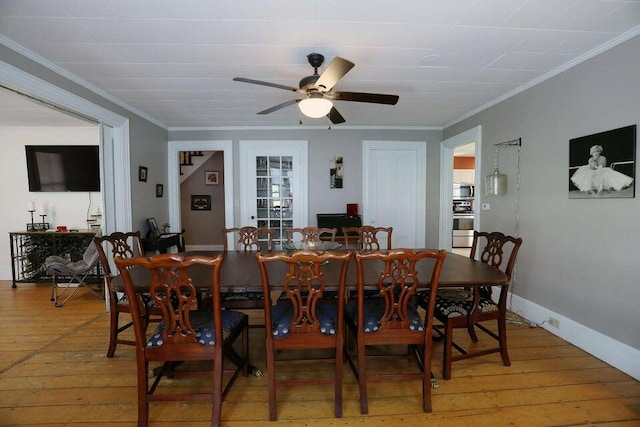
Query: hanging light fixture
[(496, 183), (315, 105)]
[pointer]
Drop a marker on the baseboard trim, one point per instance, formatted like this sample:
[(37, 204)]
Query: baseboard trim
[(617, 354)]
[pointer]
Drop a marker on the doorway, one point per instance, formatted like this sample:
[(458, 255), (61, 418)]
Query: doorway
[(447, 152)]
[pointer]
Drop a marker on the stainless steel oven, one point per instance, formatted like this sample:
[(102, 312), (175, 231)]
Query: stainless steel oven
[(462, 230)]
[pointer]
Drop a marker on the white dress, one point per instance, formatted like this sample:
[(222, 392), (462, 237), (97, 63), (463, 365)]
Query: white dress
[(591, 178)]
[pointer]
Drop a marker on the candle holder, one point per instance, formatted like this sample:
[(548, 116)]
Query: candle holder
[(32, 224)]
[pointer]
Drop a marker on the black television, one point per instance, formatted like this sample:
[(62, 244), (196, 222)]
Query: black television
[(63, 167)]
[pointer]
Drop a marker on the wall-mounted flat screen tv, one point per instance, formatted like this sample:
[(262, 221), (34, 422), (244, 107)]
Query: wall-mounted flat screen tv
[(63, 167)]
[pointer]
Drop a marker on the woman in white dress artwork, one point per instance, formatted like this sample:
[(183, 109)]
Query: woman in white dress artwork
[(595, 176)]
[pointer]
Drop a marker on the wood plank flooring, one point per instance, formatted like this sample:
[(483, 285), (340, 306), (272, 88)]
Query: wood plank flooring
[(54, 372)]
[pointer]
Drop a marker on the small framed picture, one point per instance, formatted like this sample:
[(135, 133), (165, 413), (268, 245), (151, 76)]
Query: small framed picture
[(211, 178), (159, 190), (142, 173), (201, 202)]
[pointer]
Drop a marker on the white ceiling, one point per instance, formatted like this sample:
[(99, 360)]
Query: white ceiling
[(174, 60)]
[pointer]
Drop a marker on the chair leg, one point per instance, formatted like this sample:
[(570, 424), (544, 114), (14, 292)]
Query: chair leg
[(502, 339), (338, 380), (271, 375), (472, 332), (143, 389), (216, 411), (113, 332), (362, 378), (448, 348)]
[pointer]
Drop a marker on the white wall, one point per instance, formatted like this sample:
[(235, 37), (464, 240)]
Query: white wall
[(579, 258), (65, 208)]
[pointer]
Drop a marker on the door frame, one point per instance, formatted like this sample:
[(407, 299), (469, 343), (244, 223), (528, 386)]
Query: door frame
[(420, 147), (173, 177), (447, 147)]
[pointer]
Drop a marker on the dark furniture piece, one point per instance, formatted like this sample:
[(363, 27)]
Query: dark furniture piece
[(466, 308), (30, 249), (393, 318), (302, 318), (186, 334), (338, 221), (163, 242)]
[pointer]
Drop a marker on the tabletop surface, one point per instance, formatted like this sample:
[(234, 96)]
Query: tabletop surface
[(240, 272)]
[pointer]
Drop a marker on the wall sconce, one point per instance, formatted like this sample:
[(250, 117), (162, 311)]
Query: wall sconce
[(496, 183)]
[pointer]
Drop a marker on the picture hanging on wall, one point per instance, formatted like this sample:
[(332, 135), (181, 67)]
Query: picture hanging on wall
[(602, 165), (211, 178), (201, 202), (336, 172), (142, 173), (159, 190)]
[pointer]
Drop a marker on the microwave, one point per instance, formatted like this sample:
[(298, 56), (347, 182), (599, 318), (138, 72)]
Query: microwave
[(463, 191)]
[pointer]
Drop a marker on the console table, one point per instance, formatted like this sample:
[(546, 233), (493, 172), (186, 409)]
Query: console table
[(163, 242), (29, 249)]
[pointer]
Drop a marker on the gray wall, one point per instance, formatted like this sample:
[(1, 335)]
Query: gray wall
[(579, 258), (325, 144)]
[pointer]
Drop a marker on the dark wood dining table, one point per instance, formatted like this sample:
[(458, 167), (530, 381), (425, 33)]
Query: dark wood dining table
[(240, 273)]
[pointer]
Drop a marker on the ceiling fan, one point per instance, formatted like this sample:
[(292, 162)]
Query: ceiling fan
[(318, 93)]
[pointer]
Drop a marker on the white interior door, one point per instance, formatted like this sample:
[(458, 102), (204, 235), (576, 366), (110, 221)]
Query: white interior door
[(273, 185), (394, 189)]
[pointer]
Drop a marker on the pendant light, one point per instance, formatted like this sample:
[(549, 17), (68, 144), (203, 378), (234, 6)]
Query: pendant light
[(496, 183)]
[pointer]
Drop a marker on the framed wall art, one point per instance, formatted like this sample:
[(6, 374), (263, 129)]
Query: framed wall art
[(211, 178), (602, 165), (201, 202), (336, 172)]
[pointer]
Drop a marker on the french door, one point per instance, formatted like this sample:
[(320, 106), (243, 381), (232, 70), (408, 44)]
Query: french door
[(273, 185)]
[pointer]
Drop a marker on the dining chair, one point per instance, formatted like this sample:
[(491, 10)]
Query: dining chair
[(366, 237), (124, 245), (302, 319), (311, 234), (393, 319), (248, 239), (466, 308), (185, 334)]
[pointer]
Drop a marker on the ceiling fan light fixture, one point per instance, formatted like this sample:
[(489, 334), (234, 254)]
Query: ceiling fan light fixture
[(315, 107)]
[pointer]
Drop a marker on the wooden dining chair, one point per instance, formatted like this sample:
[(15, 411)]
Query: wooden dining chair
[(468, 308), (393, 319), (124, 245), (185, 334), (302, 319), (248, 239), (311, 234), (366, 237)]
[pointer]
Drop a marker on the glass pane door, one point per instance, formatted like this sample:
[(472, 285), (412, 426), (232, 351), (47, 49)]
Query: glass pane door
[(274, 191)]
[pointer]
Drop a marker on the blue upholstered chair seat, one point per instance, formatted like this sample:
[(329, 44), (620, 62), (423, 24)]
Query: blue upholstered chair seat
[(458, 302), (373, 311), (242, 296), (202, 323), (282, 314)]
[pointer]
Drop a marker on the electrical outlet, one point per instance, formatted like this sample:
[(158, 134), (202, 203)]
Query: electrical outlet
[(554, 322)]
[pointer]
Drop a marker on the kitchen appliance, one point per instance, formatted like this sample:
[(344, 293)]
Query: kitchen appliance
[(463, 191), (462, 230), (462, 206)]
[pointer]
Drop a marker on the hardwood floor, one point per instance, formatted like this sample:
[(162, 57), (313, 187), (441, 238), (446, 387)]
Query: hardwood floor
[(54, 372)]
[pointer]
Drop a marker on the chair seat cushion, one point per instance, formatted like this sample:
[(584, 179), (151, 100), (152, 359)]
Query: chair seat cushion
[(458, 302), (374, 310), (202, 323), (282, 315), (242, 296)]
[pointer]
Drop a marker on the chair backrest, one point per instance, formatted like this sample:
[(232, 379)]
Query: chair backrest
[(173, 292), (368, 237), (303, 282), (249, 238), (311, 234), (124, 245), (397, 284), (492, 248)]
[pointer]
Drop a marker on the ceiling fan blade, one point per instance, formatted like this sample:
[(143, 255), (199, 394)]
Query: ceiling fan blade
[(376, 98), (335, 117), (279, 106), (334, 72), (261, 83)]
